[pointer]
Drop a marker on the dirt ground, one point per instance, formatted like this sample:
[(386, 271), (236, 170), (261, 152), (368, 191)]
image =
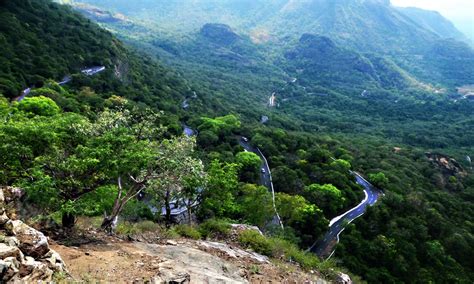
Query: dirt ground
[(112, 260)]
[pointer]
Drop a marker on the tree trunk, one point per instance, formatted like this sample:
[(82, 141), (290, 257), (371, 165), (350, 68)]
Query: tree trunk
[(190, 219), (167, 208), (110, 222), (68, 220)]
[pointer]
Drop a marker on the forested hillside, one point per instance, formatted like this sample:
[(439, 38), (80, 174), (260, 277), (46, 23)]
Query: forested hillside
[(113, 142), (406, 37), (433, 21), (34, 48), (101, 141)]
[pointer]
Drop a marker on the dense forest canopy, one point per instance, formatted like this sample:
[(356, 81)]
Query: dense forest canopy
[(114, 141)]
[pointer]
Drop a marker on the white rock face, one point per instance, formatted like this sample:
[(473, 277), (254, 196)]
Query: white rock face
[(8, 251), (233, 252), (25, 255), (32, 242), (183, 264), (343, 278)]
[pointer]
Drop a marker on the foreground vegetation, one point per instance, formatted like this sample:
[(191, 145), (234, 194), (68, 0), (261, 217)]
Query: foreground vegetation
[(99, 143)]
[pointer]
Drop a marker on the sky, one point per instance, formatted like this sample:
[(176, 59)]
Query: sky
[(460, 12)]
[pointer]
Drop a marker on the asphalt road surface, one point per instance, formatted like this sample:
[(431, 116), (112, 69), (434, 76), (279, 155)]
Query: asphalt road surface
[(88, 72), (265, 176), (324, 247)]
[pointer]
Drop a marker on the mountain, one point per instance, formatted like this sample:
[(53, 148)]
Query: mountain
[(321, 61), (289, 77), (39, 41), (449, 61), (405, 36), (434, 22), (219, 33), (373, 25)]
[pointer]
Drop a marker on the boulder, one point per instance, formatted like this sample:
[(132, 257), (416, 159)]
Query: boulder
[(232, 252), (32, 270), (40, 272), (244, 227), (3, 218), (172, 277), (13, 266), (40, 263), (32, 242), (12, 241), (9, 194), (343, 278), (28, 265), (9, 251), (7, 271), (54, 261)]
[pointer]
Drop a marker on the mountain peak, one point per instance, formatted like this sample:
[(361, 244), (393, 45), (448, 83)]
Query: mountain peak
[(317, 41), (219, 33)]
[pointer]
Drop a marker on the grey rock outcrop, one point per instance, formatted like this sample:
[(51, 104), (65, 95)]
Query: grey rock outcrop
[(25, 255)]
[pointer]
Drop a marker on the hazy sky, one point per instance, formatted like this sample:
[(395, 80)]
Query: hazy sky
[(460, 12)]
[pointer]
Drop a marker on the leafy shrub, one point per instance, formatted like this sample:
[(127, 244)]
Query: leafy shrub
[(42, 106), (285, 250), (288, 251), (136, 210), (128, 228), (254, 240), (215, 228), (187, 231)]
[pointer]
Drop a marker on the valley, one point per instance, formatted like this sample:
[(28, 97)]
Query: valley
[(331, 138)]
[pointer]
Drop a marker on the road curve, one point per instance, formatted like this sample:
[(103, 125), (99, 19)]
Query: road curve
[(265, 177), (87, 71), (324, 247)]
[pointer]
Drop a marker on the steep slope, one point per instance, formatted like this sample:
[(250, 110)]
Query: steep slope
[(220, 34), (34, 48), (449, 61), (406, 37), (365, 24), (321, 61), (40, 40), (433, 21), (362, 24)]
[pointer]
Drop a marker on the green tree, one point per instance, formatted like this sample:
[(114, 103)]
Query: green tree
[(307, 219), (218, 199), (256, 204), (286, 180), (327, 197), (378, 179), (341, 165), (174, 174), (248, 161), (207, 138), (249, 165), (39, 106), (3, 106), (24, 140), (118, 146), (221, 126)]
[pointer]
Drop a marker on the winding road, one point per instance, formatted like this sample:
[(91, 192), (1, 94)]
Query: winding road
[(265, 177), (87, 71), (324, 247)]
